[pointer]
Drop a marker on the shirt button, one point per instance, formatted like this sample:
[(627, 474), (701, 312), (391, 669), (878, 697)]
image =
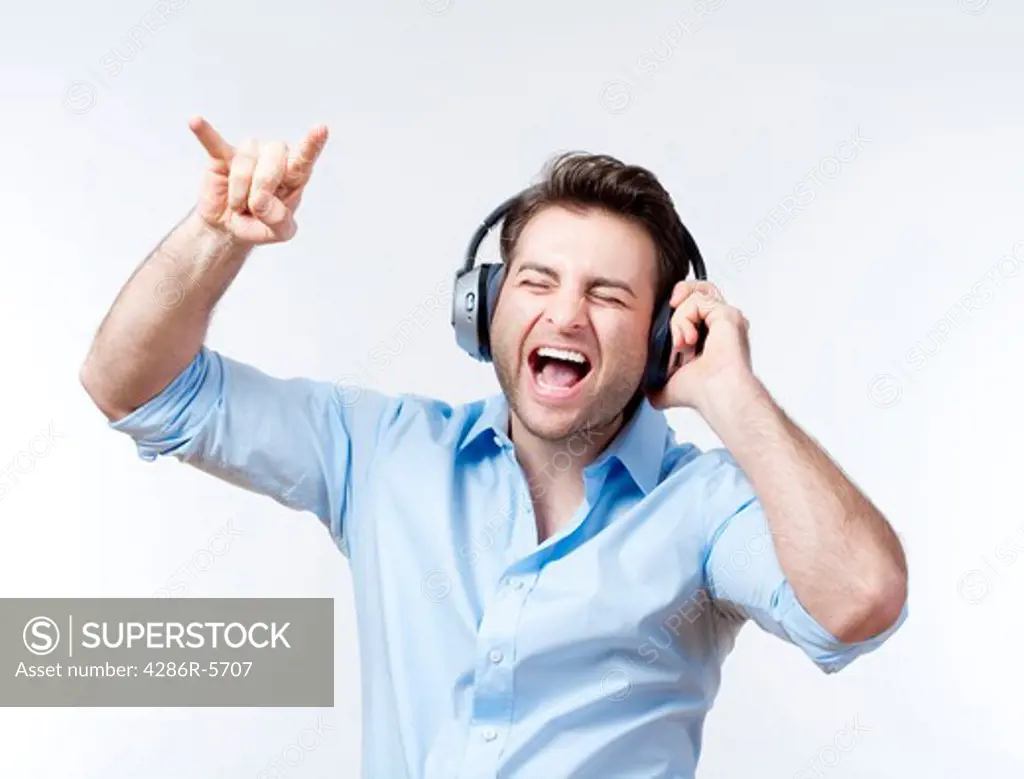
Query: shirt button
[(517, 584), (488, 734), (496, 655)]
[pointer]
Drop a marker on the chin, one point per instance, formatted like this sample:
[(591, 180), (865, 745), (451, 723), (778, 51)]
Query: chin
[(554, 414), (548, 423), (559, 391)]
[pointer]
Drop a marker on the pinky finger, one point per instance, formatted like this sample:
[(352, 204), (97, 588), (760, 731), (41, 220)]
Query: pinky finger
[(300, 165)]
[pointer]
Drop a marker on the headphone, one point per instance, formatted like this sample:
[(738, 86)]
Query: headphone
[(476, 294)]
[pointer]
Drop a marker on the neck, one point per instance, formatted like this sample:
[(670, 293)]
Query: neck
[(556, 466)]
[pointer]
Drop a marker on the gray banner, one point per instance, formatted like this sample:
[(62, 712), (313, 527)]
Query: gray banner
[(167, 652)]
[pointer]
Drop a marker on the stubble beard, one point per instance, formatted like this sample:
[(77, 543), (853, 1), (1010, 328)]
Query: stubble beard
[(601, 411)]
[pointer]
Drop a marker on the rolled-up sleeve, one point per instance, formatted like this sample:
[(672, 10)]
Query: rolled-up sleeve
[(743, 574), (305, 443)]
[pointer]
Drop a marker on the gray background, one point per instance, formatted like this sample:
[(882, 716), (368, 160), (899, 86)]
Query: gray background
[(438, 111), (289, 660)]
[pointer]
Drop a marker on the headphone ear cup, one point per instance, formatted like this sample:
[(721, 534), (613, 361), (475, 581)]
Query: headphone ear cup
[(473, 301), (659, 350), (467, 303), (491, 277), (495, 277)]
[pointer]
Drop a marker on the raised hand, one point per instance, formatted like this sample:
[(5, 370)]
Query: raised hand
[(252, 191), (725, 359)]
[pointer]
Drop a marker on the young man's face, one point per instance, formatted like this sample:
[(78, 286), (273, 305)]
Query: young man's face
[(583, 283)]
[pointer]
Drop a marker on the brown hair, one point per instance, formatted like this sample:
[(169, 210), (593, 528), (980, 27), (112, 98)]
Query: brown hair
[(576, 179)]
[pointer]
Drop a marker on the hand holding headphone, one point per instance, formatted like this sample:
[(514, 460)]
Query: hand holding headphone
[(476, 291)]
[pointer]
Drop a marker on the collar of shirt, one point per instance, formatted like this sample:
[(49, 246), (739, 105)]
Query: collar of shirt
[(639, 446)]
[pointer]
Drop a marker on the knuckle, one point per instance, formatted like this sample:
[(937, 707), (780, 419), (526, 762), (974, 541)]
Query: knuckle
[(276, 213), (241, 167), (710, 292), (307, 152), (273, 153)]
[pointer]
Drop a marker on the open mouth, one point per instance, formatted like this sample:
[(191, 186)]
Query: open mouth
[(558, 372)]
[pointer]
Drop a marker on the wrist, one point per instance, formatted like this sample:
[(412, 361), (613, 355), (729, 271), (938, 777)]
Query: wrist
[(728, 398), (196, 260), (207, 246), (209, 234)]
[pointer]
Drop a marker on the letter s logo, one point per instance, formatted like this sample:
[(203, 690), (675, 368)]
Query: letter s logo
[(41, 635)]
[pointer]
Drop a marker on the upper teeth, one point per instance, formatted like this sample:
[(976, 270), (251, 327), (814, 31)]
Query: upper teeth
[(561, 354)]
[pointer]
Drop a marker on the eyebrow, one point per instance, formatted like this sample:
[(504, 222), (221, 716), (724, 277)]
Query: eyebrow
[(597, 281)]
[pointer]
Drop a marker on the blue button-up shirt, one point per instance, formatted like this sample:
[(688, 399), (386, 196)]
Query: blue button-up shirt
[(596, 653)]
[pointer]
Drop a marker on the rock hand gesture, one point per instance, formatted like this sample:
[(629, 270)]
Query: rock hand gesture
[(251, 191)]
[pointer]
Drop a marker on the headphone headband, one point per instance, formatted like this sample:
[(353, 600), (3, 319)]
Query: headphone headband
[(485, 227)]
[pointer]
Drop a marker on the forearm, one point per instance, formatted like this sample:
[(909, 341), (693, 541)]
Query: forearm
[(843, 560), (160, 318)]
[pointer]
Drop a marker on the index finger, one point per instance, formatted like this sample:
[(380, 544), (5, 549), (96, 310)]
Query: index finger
[(300, 165), (680, 292), (212, 141)]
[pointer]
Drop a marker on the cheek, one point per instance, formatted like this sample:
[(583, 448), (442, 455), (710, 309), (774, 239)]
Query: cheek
[(623, 341), (509, 325)]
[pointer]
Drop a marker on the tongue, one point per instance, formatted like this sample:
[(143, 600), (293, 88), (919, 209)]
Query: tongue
[(556, 373)]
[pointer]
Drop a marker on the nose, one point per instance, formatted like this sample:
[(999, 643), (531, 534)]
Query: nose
[(566, 310)]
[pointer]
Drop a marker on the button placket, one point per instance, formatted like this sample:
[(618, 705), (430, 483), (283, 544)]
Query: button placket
[(492, 694), (482, 752)]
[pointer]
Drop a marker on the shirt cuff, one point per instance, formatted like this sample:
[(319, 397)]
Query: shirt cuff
[(828, 652), (160, 425)]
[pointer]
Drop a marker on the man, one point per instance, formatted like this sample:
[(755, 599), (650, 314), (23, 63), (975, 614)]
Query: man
[(546, 582)]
